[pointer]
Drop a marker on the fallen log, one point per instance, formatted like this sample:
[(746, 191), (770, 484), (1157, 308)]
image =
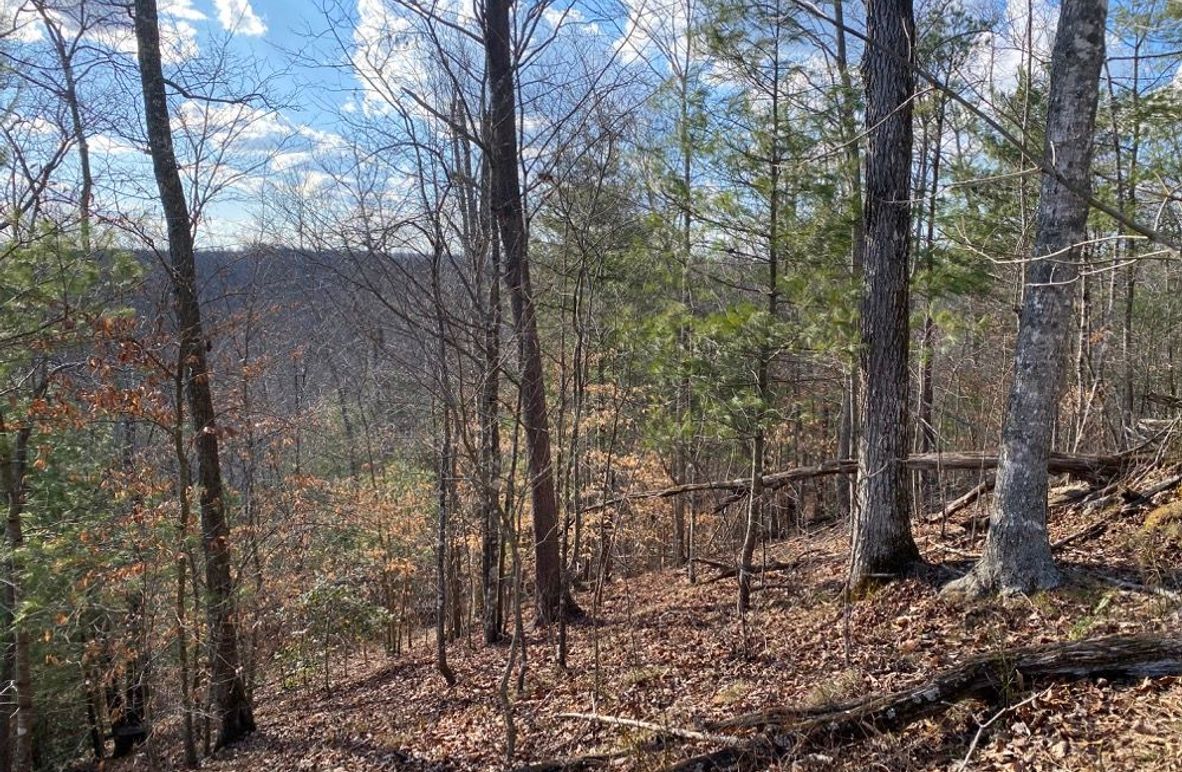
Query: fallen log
[(739, 485), (998, 676), (1136, 500), (1087, 533), (1078, 464), (775, 565), (1122, 584), (599, 760), (731, 570), (1069, 496), (713, 563)]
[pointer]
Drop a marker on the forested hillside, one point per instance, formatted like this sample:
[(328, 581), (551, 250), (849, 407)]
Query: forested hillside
[(644, 384)]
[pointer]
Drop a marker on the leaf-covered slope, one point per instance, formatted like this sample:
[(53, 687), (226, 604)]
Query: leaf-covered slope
[(669, 652)]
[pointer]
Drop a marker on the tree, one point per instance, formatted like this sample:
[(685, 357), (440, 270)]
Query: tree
[(881, 542), (507, 206), (233, 705), (14, 467), (847, 432), (755, 136), (1017, 553)]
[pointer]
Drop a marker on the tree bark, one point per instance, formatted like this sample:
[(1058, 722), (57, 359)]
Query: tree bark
[(750, 533), (184, 482), (69, 94), (684, 406), (1017, 553), (927, 384), (233, 707), (509, 209), (755, 505), (490, 451), (881, 541), (18, 709), (847, 433), (444, 505)]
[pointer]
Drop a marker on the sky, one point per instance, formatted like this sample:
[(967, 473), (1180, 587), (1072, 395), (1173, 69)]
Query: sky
[(316, 87), (285, 37)]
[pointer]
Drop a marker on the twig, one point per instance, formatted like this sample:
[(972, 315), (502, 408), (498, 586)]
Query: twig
[(981, 729), (1124, 584), (685, 734)]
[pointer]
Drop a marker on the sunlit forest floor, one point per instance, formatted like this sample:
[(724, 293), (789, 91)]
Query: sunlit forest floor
[(665, 651)]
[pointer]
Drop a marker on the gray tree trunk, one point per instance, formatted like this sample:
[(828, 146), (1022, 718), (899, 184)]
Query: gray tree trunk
[(445, 473), (1017, 553), (881, 542), (490, 453)]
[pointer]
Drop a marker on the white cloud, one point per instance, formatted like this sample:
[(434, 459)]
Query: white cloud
[(386, 52), (281, 162), (108, 145), (178, 39), (323, 141), (1000, 56), (654, 31), (181, 9), (246, 128), (19, 21), (314, 181), (239, 17)]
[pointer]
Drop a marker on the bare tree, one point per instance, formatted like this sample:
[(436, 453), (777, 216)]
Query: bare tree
[(229, 692), (14, 466), (509, 209)]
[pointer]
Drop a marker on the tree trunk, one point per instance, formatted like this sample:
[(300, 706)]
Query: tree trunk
[(69, 94), (509, 209), (184, 481), (750, 531), (18, 713), (1017, 552), (881, 543), (847, 433), (490, 436), (684, 398), (444, 505), (229, 693), (927, 390), (7, 662)]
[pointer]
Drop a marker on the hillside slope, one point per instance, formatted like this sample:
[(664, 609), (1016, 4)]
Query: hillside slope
[(668, 652)]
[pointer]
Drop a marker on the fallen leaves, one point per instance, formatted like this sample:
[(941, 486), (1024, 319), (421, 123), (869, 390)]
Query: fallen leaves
[(673, 654)]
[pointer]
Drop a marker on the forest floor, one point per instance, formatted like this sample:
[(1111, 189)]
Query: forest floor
[(675, 653)]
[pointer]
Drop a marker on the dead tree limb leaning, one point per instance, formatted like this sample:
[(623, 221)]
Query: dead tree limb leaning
[(964, 500), (1078, 464)]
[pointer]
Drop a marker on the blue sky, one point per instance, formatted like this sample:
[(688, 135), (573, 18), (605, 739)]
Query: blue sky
[(316, 87)]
